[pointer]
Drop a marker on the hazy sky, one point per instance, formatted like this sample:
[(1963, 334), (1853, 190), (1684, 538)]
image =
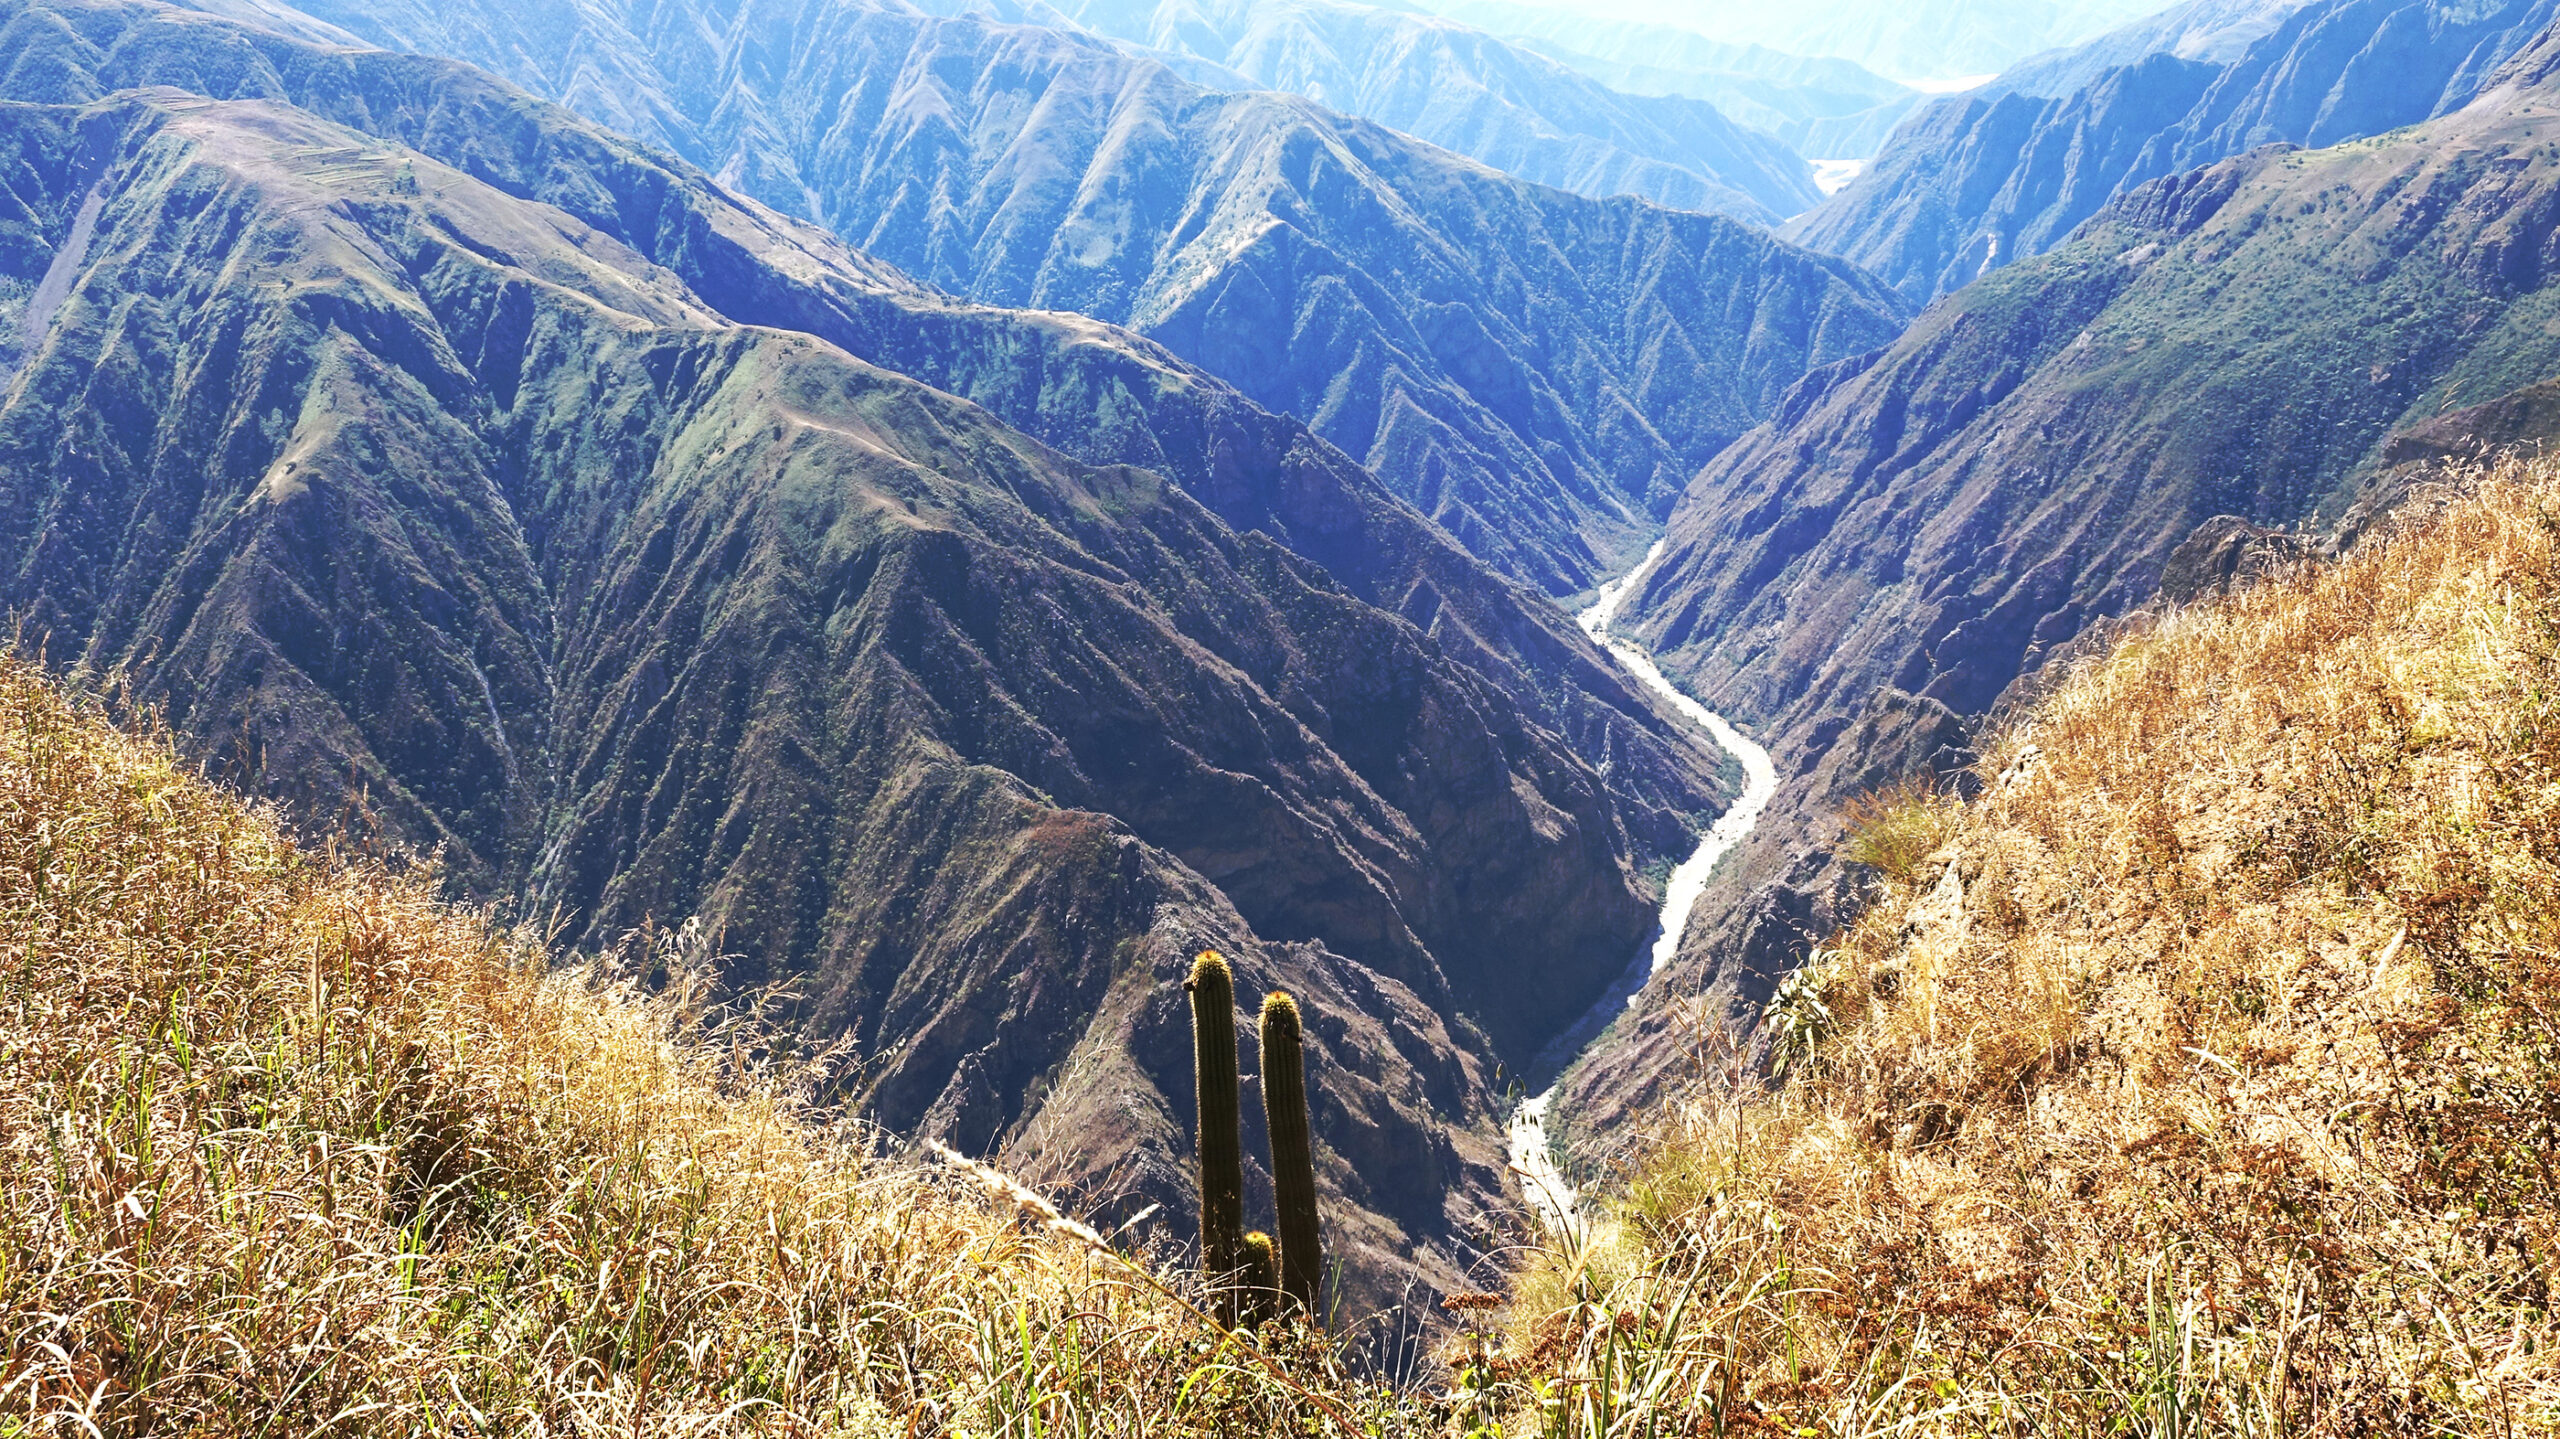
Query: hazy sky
[(1909, 40)]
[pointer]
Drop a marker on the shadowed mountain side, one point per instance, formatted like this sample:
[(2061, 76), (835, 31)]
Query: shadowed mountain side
[(1978, 181), (1538, 372), (1470, 92), (386, 483), (1092, 390)]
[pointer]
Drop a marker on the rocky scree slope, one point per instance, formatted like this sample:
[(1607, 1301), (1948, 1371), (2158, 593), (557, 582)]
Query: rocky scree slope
[(1978, 181), (2258, 343), (392, 486), (1465, 90), (1537, 372)]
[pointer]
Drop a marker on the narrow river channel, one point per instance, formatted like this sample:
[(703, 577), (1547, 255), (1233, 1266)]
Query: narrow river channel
[(1551, 1196)]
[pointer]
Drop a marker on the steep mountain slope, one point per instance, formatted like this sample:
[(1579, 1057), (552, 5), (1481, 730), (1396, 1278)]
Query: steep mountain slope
[(1533, 370), (1978, 181), (410, 493), (1822, 106), (2202, 1074), (1467, 91), (1920, 528)]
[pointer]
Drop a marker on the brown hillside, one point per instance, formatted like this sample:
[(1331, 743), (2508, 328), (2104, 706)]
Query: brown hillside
[(2201, 1077)]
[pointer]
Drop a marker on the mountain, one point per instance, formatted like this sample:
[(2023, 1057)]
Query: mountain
[(2268, 344), (1538, 372), (1823, 107), (1977, 181), (1931, 43), (413, 497), (1467, 91)]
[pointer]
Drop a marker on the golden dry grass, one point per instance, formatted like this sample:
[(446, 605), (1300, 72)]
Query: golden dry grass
[(2202, 1078), (288, 1147)]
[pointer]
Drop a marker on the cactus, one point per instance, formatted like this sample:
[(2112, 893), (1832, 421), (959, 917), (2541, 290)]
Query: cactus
[(1293, 1160), (1213, 1049), (1261, 1279)]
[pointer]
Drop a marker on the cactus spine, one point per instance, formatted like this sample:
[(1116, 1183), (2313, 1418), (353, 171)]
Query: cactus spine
[(1261, 1279), (1213, 1051), (1293, 1159)]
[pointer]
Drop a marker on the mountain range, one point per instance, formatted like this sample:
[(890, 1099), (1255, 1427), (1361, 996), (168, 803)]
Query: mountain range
[(1974, 182), (441, 464), (1824, 107), (1467, 91), (1537, 372), (1936, 42)]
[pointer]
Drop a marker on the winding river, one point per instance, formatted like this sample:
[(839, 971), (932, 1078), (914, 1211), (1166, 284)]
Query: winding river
[(1551, 1196)]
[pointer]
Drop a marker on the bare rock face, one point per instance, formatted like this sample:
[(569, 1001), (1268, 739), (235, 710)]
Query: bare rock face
[(430, 487)]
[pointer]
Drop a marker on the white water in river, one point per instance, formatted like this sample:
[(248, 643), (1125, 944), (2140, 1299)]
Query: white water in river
[(1551, 1197)]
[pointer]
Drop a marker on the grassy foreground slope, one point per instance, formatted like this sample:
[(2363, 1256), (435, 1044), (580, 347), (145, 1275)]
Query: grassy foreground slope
[(288, 1147), (2201, 1077)]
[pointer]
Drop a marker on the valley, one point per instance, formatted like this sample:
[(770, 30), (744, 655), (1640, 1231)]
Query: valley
[(1858, 700)]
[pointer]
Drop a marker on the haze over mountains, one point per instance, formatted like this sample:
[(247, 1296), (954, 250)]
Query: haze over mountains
[(1824, 107), (1931, 41), (1470, 92)]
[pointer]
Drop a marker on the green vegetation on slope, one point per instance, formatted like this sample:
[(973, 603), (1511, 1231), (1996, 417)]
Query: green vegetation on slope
[(2202, 1078)]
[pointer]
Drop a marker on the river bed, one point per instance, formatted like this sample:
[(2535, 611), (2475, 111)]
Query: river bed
[(1552, 1198)]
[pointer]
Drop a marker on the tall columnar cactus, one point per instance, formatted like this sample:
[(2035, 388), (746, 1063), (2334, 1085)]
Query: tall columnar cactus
[(1293, 1156), (1213, 1052), (1261, 1278)]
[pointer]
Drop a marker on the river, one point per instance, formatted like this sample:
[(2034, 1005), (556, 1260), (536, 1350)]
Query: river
[(1551, 1196)]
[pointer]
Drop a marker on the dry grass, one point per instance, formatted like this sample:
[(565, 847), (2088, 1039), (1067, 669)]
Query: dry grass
[(2203, 1078), (287, 1147)]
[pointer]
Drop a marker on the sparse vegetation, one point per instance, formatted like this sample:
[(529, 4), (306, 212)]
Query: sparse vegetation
[(2200, 1078)]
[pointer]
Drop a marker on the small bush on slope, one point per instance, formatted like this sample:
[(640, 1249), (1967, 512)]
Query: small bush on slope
[(2205, 1080), (287, 1147)]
